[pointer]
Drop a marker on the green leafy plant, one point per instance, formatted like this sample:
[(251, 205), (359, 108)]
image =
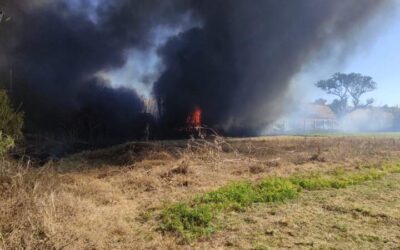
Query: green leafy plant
[(6, 143), (11, 123), (196, 218), (188, 222)]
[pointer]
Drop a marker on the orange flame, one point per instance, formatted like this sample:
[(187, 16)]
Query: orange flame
[(194, 119)]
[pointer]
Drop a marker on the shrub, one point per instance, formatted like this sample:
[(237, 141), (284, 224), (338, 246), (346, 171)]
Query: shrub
[(11, 123), (6, 143)]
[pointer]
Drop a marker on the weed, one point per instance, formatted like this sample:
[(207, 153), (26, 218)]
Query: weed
[(317, 182), (392, 168), (234, 196), (260, 247), (194, 219), (275, 190), (188, 222), (341, 227)]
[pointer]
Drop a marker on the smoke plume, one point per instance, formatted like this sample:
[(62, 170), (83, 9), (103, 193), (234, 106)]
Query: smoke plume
[(240, 63), (236, 63)]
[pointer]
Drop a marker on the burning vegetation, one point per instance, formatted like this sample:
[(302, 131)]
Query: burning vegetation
[(194, 119), (214, 54)]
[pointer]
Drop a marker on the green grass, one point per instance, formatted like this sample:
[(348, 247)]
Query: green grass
[(188, 222), (353, 134), (238, 196), (392, 168), (317, 182), (196, 218)]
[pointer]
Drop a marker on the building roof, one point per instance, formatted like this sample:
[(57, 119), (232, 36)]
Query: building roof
[(317, 111)]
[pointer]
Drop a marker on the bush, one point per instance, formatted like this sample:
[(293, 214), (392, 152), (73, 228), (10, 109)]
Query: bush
[(6, 143), (11, 123)]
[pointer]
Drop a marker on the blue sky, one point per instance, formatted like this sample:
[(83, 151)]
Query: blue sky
[(379, 58)]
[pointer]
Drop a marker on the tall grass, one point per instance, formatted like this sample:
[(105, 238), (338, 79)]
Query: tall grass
[(24, 193)]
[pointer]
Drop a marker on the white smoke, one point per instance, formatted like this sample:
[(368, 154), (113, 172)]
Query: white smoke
[(309, 118), (365, 120)]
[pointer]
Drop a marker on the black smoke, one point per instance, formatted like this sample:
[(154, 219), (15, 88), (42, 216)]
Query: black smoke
[(236, 64), (239, 64), (56, 52)]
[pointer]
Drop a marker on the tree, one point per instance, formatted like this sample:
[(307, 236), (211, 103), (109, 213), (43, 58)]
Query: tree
[(345, 86), (359, 85), (321, 101), (337, 85), (339, 107)]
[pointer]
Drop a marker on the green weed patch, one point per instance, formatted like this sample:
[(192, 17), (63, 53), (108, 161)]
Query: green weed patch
[(196, 218), (188, 222), (318, 182)]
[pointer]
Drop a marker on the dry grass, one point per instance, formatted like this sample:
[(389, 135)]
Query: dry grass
[(27, 205), (107, 199), (360, 217)]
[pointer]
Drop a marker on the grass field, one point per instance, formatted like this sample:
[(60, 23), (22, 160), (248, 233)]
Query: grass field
[(325, 192)]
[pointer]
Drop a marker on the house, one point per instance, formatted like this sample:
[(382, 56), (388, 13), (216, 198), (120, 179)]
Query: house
[(308, 118)]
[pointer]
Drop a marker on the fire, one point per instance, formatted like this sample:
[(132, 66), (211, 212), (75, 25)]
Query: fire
[(194, 119)]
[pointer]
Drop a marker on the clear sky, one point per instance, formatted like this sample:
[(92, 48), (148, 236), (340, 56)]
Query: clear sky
[(380, 59)]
